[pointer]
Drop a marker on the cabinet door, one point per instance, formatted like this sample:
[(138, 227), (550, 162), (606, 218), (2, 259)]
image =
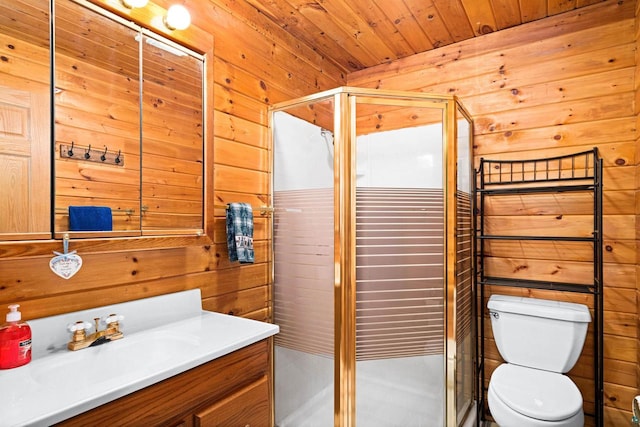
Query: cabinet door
[(24, 163), (248, 407)]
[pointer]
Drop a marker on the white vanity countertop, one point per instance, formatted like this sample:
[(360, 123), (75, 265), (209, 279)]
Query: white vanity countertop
[(59, 384)]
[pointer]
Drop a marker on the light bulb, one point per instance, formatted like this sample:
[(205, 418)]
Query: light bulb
[(134, 3), (177, 18)]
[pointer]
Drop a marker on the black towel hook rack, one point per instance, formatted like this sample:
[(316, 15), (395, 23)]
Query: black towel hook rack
[(77, 152)]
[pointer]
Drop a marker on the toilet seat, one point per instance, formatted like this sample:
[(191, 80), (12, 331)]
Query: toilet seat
[(534, 393)]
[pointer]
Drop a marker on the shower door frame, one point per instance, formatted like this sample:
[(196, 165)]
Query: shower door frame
[(345, 100)]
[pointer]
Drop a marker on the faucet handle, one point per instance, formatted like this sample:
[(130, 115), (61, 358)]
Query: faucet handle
[(112, 318), (78, 326), (78, 330), (113, 326)]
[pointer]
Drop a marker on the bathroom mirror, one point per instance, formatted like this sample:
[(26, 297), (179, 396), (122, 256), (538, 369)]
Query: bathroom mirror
[(25, 154), (128, 105), (172, 148), (128, 128)]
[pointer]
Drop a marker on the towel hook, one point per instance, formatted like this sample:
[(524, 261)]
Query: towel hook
[(103, 157), (117, 159), (87, 154), (70, 152)]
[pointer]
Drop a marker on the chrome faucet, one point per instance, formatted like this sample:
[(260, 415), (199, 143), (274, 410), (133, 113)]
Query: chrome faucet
[(80, 339)]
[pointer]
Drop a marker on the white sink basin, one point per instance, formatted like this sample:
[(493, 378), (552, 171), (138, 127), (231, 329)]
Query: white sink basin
[(137, 353), (59, 383)]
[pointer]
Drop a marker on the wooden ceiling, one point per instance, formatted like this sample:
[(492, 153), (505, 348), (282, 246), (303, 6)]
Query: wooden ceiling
[(357, 34)]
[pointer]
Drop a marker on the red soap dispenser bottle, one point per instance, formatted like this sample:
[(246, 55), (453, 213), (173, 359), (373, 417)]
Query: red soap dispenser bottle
[(15, 340)]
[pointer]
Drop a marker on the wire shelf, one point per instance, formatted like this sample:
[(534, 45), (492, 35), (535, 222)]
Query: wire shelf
[(579, 172)]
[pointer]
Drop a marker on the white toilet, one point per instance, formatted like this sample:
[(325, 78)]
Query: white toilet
[(540, 340)]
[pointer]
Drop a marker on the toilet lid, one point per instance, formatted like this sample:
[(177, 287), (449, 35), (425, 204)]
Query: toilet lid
[(535, 393)]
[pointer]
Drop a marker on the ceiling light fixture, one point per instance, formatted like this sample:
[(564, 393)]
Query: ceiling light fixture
[(134, 3), (177, 18)]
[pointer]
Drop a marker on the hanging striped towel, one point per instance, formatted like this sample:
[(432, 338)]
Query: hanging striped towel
[(240, 232)]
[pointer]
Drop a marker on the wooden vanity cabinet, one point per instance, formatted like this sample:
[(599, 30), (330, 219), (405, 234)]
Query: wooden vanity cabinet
[(232, 391)]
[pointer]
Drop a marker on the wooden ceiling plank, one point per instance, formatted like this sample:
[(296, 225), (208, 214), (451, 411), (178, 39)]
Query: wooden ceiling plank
[(530, 10), (507, 13), (357, 34), (263, 59), (359, 28), (426, 14), (455, 19), (263, 24), (316, 16), (481, 16), (405, 23), (385, 29), (289, 19)]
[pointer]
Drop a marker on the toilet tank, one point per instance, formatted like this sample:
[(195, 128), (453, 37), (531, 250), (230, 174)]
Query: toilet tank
[(538, 333)]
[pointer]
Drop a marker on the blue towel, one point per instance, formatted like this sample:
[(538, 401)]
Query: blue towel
[(240, 232), (90, 218)]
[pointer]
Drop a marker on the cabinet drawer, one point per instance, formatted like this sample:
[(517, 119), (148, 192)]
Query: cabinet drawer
[(248, 407)]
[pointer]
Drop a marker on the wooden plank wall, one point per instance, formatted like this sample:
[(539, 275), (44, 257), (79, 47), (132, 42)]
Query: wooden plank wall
[(560, 85), (256, 63)]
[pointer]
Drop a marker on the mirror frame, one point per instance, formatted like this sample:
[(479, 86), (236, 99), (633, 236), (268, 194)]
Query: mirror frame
[(198, 40)]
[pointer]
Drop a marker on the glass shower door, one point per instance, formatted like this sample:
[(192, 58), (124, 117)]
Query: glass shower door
[(303, 287), (400, 261), (464, 325)]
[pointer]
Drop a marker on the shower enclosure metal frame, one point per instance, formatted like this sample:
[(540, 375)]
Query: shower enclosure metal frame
[(344, 118)]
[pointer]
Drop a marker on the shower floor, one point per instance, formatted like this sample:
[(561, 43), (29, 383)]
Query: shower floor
[(402, 392)]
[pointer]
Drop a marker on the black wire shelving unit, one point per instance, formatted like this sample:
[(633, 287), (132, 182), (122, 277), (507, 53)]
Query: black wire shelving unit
[(574, 173)]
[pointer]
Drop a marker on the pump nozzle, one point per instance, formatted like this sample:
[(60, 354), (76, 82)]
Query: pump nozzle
[(14, 315)]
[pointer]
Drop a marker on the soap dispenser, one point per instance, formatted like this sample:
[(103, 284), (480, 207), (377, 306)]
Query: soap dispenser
[(15, 340)]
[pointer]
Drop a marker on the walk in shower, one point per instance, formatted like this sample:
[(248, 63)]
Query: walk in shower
[(372, 256)]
